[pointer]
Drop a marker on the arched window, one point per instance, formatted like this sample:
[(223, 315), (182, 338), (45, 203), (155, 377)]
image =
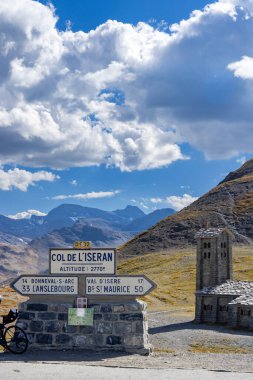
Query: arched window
[(209, 254), (204, 255), (208, 307), (205, 245), (221, 254), (221, 244), (209, 245), (225, 245)]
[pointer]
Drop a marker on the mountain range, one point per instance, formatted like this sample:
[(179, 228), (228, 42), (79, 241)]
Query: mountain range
[(229, 204), (64, 225), (66, 215)]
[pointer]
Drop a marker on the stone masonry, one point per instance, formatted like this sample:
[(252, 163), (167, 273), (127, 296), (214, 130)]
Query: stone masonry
[(117, 326), (218, 298), (214, 257)]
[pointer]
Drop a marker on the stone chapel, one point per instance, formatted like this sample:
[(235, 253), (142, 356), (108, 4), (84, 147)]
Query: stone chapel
[(219, 299)]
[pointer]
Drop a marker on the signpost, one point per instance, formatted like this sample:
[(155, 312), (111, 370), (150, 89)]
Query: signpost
[(46, 285), (119, 285), (76, 292), (82, 261)]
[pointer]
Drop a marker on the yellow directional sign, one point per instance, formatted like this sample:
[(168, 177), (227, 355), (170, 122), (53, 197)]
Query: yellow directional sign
[(82, 244)]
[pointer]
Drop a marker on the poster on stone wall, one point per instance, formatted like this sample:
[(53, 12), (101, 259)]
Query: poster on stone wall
[(80, 317)]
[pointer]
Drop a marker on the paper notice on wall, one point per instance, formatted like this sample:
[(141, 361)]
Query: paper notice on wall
[(80, 312), (80, 317)]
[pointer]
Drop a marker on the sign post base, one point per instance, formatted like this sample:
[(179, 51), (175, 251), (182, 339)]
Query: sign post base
[(117, 326)]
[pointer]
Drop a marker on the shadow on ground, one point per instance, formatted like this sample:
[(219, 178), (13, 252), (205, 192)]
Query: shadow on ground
[(191, 325), (61, 356)]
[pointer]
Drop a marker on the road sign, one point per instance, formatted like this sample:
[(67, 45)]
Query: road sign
[(82, 244), (82, 261), (119, 285), (46, 285)]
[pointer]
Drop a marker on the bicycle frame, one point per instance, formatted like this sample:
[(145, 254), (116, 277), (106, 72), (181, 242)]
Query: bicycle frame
[(2, 340), (12, 337)]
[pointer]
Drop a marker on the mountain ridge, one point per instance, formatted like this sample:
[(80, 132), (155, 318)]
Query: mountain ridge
[(64, 215), (229, 204), (103, 228)]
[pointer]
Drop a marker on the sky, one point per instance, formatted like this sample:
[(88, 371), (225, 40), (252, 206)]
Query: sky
[(106, 104)]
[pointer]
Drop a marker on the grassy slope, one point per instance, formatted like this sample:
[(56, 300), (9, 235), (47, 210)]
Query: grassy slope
[(208, 208), (174, 273)]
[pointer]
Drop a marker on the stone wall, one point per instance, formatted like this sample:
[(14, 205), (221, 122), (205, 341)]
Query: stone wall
[(217, 309), (206, 309), (117, 326), (214, 260), (212, 308), (241, 316)]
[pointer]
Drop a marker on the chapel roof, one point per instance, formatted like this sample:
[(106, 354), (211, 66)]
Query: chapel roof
[(211, 232), (230, 288), (245, 299)]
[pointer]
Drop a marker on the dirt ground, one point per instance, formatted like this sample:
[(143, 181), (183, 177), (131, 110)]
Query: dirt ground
[(177, 342), (184, 344)]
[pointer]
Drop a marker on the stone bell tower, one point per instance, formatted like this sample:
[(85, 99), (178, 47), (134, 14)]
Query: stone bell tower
[(214, 257)]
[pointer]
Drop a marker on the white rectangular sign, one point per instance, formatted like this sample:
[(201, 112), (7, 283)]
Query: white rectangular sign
[(119, 285), (82, 261), (46, 285)]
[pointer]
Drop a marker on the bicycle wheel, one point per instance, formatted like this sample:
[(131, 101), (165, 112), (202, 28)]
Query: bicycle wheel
[(15, 339)]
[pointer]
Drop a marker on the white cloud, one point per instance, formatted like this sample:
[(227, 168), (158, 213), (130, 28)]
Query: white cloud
[(74, 182), (243, 68), (27, 214), (91, 195), (144, 205), (59, 104), (179, 202), (241, 160), (175, 201), (22, 179), (156, 200)]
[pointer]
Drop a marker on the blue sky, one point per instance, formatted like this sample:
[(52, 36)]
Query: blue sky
[(146, 109), (86, 15)]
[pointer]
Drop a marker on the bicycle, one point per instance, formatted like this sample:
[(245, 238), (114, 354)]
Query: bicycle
[(13, 338)]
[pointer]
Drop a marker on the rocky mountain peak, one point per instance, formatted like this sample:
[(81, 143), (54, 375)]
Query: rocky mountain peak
[(227, 205), (130, 212), (245, 170)]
